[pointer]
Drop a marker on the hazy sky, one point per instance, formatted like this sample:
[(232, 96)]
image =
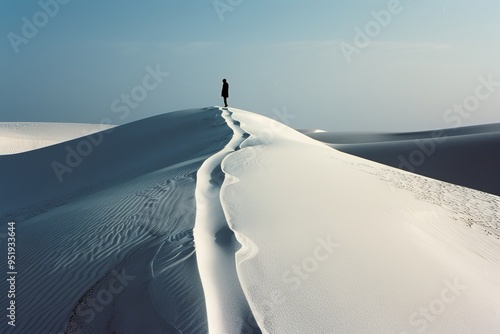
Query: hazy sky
[(326, 64)]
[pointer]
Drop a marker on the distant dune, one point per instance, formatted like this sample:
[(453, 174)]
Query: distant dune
[(24, 136), (467, 156)]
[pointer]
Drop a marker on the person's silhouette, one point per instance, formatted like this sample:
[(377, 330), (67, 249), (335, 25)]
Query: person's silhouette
[(225, 91)]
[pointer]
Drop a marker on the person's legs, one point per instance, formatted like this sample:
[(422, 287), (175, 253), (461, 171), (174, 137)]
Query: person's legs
[(225, 101)]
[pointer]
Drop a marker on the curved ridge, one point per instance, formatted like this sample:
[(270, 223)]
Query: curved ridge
[(228, 310)]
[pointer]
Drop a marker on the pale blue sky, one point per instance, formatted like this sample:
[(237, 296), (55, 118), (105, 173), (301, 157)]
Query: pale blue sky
[(277, 56)]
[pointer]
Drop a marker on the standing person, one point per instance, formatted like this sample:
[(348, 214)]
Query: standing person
[(225, 91)]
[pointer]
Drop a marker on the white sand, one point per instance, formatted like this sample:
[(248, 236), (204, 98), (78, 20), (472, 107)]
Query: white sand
[(333, 243), (227, 308), (21, 137)]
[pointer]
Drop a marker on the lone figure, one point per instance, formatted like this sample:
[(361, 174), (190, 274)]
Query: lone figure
[(225, 91)]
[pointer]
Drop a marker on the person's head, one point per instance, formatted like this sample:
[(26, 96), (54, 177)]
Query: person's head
[(224, 80)]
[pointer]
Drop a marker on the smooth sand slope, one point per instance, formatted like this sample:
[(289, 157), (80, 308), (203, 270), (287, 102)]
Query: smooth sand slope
[(333, 243), (42, 178)]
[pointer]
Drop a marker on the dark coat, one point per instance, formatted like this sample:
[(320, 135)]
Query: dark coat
[(225, 90)]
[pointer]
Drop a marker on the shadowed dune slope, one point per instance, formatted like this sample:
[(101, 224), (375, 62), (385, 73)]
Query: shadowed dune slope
[(465, 156), (110, 249), (51, 175)]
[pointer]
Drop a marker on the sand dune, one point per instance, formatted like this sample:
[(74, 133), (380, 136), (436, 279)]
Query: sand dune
[(128, 210), (347, 245), (82, 165), (465, 156), (225, 221), (23, 136)]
